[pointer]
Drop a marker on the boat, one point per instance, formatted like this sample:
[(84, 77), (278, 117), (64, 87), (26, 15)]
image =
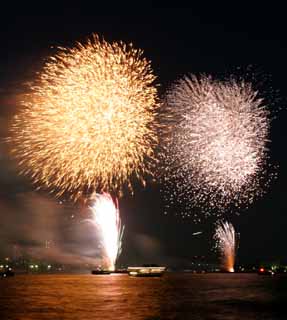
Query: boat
[(101, 272), (146, 271)]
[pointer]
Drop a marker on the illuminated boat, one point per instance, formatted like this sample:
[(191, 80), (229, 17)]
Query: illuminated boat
[(146, 271)]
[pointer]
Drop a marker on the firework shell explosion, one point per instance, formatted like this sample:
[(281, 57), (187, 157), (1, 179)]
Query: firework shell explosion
[(87, 122), (215, 144)]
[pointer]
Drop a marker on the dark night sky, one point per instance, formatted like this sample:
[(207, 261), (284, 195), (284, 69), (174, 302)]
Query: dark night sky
[(178, 41)]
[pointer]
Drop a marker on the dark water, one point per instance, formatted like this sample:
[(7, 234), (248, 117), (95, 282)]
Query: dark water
[(174, 296)]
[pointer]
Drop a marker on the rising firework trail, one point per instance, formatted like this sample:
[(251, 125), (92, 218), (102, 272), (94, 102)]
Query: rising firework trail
[(196, 233), (87, 123), (215, 143), (227, 244), (106, 217)]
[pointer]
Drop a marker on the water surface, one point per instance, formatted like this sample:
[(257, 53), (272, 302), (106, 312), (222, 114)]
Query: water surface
[(174, 296)]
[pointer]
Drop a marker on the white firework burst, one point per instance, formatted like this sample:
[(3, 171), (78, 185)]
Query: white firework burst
[(215, 144)]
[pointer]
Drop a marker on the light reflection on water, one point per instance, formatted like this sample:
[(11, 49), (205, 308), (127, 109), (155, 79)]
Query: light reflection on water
[(174, 296)]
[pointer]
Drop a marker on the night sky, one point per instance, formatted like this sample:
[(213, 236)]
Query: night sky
[(220, 42)]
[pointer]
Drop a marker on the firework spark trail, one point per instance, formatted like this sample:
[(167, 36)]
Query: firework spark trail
[(106, 217), (225, 238), (215, 143), (87, 123)]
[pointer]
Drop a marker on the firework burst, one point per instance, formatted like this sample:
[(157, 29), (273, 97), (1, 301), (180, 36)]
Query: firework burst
[(106, 217), (87, 123), (226, 243), (215, 143)]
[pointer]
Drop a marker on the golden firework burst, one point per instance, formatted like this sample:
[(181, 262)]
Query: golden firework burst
[(87, 123)]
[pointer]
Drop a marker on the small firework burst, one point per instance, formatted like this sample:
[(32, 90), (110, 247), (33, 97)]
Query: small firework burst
[(106, 217), (227, 244)]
